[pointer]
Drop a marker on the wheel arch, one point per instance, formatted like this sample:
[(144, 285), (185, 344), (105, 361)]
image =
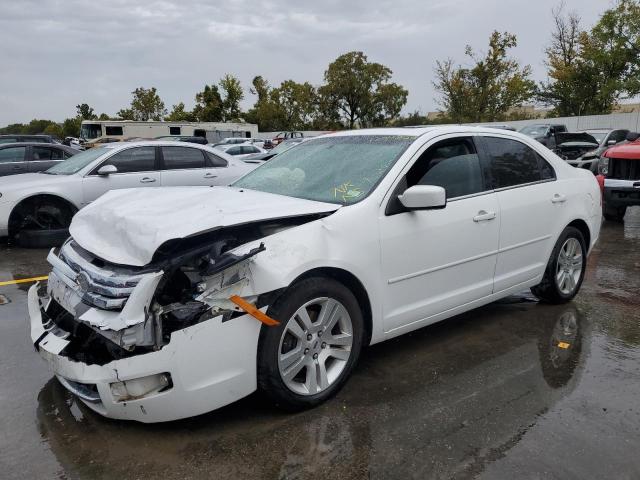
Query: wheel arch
[(11, 223), (356, 287), (583, 227)]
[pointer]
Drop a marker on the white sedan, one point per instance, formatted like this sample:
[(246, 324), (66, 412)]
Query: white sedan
[(168, 303), (240, 151), (36, 208)]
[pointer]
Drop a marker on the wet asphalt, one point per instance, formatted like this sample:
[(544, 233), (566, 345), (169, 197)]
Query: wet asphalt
[(516, 389)]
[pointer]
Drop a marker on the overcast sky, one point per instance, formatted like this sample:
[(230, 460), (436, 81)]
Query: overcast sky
[(58, 53)]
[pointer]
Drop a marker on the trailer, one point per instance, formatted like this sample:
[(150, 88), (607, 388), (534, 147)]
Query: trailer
[(94, 130)]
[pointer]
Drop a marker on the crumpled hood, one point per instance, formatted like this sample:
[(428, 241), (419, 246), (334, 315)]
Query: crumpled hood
[(127, 226), (567, 138)]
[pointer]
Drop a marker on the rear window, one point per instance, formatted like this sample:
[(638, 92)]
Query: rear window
[(176, 158)]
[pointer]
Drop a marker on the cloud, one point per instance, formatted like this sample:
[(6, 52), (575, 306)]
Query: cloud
[(56, 54)]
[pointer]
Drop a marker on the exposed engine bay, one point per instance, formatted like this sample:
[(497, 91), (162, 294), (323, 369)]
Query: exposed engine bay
[(109, 312)]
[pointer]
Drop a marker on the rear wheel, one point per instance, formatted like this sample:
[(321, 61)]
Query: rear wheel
[(309, 356), (565, 270), (41, 222)]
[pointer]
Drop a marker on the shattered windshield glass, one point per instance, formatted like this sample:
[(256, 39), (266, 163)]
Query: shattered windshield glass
[(339, 169)]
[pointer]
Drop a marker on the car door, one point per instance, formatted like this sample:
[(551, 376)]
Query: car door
[(190, 166), (43, 157), (136, 167), (435, 260), (13, 160), (530, 202)]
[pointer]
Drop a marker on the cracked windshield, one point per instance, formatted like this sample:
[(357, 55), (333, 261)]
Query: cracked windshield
[(336, 169)]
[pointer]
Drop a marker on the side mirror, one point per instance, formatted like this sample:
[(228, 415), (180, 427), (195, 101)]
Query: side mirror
[(107, 170), (422, 197), (611, 141)]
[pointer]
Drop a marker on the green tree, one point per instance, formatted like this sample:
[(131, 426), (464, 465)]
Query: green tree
[(295, 104), (104, 116), (179, 114), (208, 105), (85, 112), (145, 105), (489, 89), (71, 127), (359, 91), (233, 95), (55, 130)]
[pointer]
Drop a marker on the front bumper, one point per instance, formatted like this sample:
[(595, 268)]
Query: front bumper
[(211, 364), (621, 193)]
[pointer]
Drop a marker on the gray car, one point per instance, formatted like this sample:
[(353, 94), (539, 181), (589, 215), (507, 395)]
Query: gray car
[(605, 138), (31, 157)]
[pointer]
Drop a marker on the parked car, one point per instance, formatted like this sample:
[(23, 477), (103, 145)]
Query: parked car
[(282, 136), (167, 303), (571, 146), (620, 166), (545, 133), (16, 158), (184, 138), (240, 151), (268, 154), (28, 138), (36, 208), (604, 138)]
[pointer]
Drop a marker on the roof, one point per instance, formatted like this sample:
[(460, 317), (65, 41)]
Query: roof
[(626, 150), (38, 144), (417, 131)]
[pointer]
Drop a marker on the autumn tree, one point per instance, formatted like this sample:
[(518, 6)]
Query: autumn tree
[(489, 89), (145, 105), (360, 92)]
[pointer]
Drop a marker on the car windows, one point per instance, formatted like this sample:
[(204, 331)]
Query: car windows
[(176, 158), (46, 153), (12, 154), (215, 161), (233, 151), (453, 165), (514, 163), (138, 159)]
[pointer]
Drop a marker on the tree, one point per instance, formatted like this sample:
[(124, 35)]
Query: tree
[(71, 127), (489, 89), (562, 90), (179, 114), (55, 130), (104, 116), (360, 91), (233, 95), (208, 105), (145, 105), (85, 112), (295, 104)]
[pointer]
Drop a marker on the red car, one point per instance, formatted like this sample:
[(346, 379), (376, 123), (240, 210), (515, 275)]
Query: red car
[(620, 166)]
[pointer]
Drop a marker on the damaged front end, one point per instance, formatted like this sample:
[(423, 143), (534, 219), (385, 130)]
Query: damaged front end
[(96, 319), (113, 311)]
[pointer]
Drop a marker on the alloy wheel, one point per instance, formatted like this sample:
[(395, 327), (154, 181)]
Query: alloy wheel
[(569, 266), (315, 346)]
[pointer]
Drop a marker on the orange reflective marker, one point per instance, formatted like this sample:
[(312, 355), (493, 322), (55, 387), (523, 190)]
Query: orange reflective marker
[(251, 309), (564, 345)]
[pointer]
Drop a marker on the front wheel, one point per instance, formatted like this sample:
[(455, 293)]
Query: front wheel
[(565, 270), (308, 357)]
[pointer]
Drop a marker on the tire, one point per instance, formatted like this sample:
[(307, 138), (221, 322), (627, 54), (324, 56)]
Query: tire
[(309, 354), (40, 222), (554, 287), (41, 238), (615, 214)]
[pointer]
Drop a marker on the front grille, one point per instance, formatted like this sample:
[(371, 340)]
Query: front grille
[(99, 284), (624, 169)]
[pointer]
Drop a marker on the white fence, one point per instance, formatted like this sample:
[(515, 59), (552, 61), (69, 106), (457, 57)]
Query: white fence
[(630, 121)]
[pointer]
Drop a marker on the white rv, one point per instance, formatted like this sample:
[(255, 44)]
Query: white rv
[(92, 130)]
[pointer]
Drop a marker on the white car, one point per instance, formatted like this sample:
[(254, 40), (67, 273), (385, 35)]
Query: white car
[(37, 206), (168, 303), (240, 151)]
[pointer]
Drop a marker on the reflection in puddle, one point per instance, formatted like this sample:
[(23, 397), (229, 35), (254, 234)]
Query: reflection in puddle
[(440, 402)]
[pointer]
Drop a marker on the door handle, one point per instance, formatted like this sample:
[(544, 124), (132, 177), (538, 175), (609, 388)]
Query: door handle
[(147, 180), (209, 175), (484, 216), (557, 198)]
